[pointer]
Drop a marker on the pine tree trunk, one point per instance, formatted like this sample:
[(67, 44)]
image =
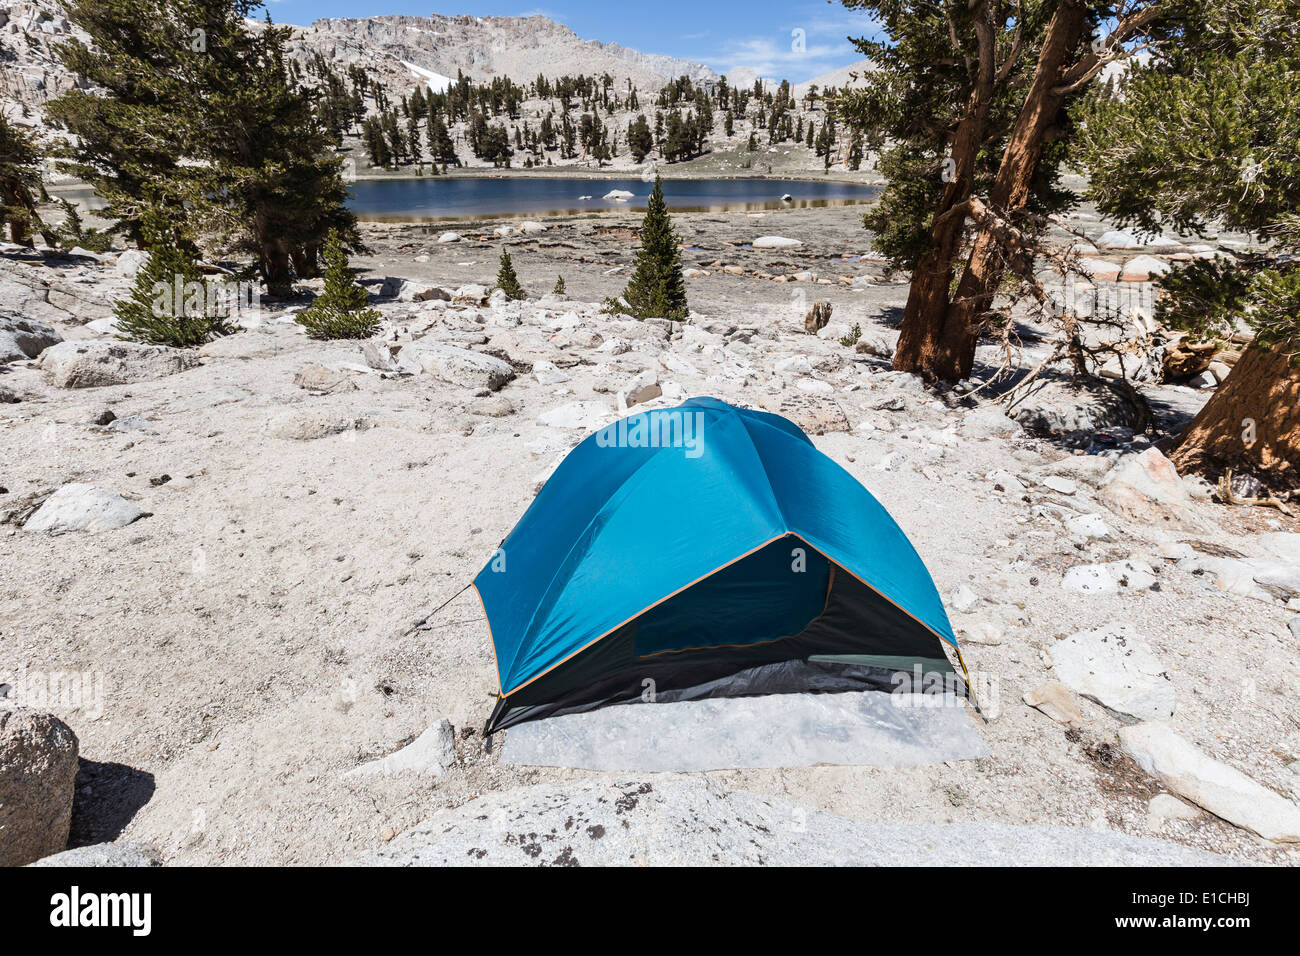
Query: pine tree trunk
[(275, 266), (306, 260), (922, 343), (1259, 399), (987, 262), (12, 197)]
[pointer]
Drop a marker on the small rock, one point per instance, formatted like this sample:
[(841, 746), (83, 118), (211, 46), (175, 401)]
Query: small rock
[(982, 632), (1091, 527), (316, 423), (1164, 807), (318, 378), (870, 343), (1005, 481), (1055, 700), (129, 263), (546, 373), (587, 416), (1060, 485), (643, 388), (963, 598), (432, 753)]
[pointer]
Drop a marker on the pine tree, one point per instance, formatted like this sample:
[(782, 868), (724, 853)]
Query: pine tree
[(440, 144), (967, 110), (656, 288), (559, 286), (169, 303), (340, 311), (20, 184), (507, 281), (280, 186), (639, 138), (130, 133), (197, 121)]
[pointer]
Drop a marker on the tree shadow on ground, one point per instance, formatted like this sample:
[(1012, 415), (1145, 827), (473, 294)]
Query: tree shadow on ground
[(108, 796), (889, 316)]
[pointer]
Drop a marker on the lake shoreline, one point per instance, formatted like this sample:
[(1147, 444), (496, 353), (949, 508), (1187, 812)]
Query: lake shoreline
[(446, 200), (571, 172)]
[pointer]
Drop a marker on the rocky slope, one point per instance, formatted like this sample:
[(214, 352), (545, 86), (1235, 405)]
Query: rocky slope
[(482, 47), (487, 47), (30, 72)]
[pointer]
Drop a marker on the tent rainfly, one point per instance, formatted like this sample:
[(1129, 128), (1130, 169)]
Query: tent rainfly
[(705, 551)]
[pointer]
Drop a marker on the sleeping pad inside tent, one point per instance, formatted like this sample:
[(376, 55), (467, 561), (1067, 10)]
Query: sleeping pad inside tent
[(705, 551)]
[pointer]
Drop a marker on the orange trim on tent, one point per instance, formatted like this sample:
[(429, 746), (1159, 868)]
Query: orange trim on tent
[(495, 663)]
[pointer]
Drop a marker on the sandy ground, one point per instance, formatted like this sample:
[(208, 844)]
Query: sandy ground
[(257, 634)]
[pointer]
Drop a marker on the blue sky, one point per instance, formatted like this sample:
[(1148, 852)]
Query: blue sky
[(723, 34)]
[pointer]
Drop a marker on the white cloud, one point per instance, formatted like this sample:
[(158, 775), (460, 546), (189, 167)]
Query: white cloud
[(813, 42)]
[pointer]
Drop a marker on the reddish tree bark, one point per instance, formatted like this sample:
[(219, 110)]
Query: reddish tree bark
[(987, 263), (922, 343), (1259, 400)]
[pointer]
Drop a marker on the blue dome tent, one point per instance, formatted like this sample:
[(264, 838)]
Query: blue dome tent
[(704, 551)]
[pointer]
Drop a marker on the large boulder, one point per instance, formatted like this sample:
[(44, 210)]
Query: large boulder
[(22, 339), (35, 292), (38, 767), (776, 242), (92, 364), (661, 822), (1225, 792), (83, 507), (1054, 406), (1116, 668), (1146, 486), (104, 855), (130, 262), (462, 367)]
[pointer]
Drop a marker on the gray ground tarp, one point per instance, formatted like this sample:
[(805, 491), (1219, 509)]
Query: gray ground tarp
[(869, 728)]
